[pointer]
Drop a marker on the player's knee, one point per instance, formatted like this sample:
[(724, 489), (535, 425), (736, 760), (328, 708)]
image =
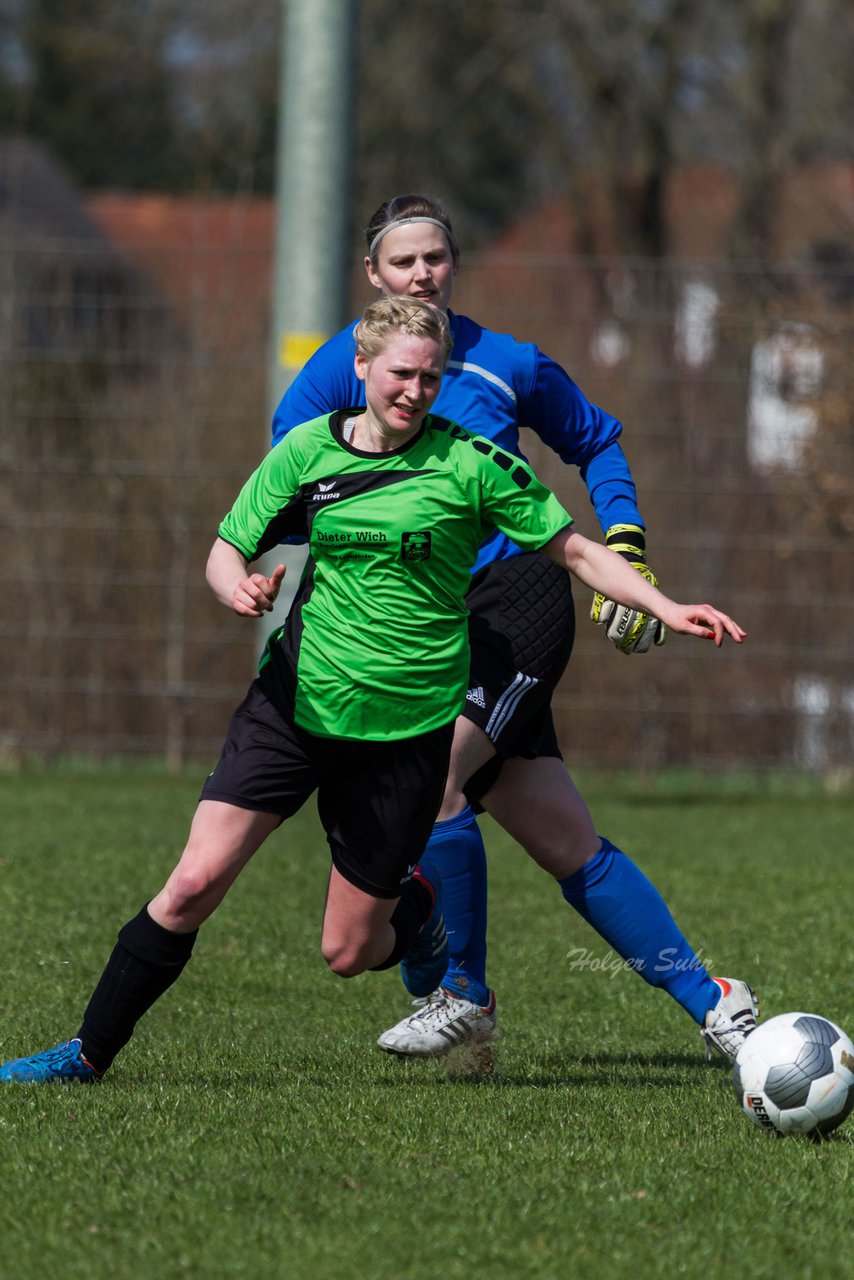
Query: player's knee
[(562, 853), (345, 957)]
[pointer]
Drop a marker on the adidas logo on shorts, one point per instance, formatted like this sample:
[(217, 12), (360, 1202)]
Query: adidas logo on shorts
[(476, 696)]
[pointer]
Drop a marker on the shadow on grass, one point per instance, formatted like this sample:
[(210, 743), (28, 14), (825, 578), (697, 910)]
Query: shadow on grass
[(466, 1066)]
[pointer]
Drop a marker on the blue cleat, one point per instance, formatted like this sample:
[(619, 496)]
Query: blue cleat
[(423, 967), (63, 1065)]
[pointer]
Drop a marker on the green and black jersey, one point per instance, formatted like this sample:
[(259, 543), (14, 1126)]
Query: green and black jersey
[(376, 643)]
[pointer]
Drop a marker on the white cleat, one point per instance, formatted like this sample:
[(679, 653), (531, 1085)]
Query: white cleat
[(443, 1021), (728, 1025)]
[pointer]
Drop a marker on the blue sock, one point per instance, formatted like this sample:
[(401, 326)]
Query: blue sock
[(626, 909), (456, 849)]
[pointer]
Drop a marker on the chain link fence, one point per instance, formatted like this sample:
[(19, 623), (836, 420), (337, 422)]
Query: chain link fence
[(133, 405)]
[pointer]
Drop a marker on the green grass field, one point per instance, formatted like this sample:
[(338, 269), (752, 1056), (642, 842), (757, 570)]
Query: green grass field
[(252, 1129)]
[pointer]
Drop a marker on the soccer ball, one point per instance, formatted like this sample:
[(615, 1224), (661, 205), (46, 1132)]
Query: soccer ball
[(795, 1074)]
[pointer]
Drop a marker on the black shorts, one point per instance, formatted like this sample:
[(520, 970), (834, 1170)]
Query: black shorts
[(377, 800), (521, 631)]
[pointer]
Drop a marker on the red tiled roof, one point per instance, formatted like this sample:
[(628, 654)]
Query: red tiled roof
[(211, 258)]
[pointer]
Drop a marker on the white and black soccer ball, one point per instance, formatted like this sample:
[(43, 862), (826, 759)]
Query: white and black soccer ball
[(795, 1074)]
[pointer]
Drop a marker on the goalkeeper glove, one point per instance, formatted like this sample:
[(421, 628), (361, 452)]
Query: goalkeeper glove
[(629, 629)]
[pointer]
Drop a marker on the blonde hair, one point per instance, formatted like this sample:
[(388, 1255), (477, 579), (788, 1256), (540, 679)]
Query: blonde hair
[(387, 316)]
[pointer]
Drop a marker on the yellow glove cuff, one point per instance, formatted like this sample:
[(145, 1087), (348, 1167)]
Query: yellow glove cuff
[(628, 540)]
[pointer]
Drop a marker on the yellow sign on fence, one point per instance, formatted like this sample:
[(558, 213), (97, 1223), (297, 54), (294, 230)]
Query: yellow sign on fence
[(296, 348)]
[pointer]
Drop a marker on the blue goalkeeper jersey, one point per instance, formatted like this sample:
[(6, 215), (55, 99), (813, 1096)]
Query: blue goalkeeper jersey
[(493, 385)]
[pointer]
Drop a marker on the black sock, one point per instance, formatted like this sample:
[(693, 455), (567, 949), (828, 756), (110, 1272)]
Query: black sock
[(408, 919), (145, 961)]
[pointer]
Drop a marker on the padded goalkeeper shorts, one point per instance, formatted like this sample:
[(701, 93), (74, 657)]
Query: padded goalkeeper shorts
[(521, 631)]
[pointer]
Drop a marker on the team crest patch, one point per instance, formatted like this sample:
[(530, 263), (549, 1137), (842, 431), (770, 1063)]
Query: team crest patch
[(415, 546)]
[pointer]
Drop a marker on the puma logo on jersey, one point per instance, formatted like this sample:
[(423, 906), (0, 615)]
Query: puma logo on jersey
[(476, 696)]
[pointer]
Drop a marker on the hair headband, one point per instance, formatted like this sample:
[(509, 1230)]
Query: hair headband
[(404, 222)]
